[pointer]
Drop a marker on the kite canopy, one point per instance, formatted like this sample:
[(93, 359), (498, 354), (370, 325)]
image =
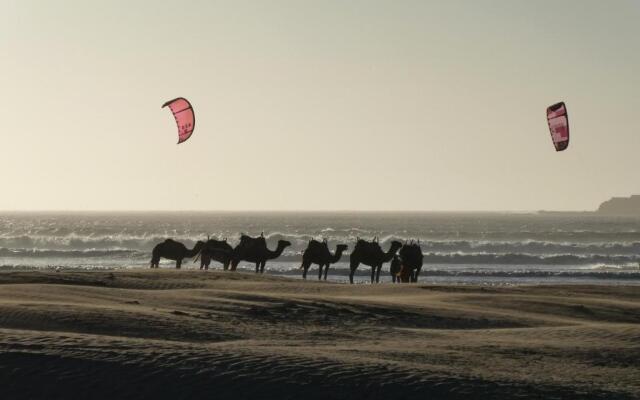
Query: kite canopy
[(185, 118), (558, 125)]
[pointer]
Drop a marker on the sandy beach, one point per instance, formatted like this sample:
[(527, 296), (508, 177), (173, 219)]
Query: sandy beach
[(191, 334)]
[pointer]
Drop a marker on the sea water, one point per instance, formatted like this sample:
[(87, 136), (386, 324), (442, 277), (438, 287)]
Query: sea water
[(478, 248)]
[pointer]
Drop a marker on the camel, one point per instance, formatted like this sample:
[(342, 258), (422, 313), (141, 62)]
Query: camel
[(318, 253), (173, 250), (370, 253), (412, 259), (255, 250), (217, 250)]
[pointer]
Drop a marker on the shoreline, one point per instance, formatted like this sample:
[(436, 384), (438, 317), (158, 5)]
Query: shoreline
[(453, 275)]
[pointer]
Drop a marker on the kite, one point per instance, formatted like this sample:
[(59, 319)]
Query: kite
[(185, 118), (558, 125)]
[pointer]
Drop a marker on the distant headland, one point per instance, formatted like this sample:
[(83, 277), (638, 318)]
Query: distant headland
[(615, 206), (626, 206)]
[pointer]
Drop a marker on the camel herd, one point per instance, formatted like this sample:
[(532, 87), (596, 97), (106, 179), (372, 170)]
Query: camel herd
[(406, 259)]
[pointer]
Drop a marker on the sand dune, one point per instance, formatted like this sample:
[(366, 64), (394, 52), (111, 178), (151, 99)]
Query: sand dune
[(189, 334)]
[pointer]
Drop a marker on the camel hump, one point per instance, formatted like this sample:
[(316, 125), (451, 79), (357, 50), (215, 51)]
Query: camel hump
[(411, 251), (314, 244), (249, 241), (368, 246)]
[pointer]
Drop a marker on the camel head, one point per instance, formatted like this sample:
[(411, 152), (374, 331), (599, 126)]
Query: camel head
[(284, 243), (341, 247), (395, 245)]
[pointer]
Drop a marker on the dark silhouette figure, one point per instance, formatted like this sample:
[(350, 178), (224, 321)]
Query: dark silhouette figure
[(318, 253), (255, 250), (216, 250), (371, 254), (172, 250), (412, 260), (395, 269)]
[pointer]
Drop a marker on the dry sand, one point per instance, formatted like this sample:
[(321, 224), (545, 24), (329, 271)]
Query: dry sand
[(191, 334)]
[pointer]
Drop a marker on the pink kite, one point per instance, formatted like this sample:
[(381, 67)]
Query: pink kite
[(558, 125), (185, 118)]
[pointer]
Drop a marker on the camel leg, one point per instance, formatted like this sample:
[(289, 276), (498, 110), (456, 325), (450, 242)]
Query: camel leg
[(373, 274), (378, 268), (326, 269), (353, 268), (225, 265), (262, 266), (320, 271), (257, 267), (416, 274), (305, 268), (178, 264)]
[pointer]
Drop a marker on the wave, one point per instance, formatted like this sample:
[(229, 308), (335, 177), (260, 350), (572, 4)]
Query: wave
[(299, 242), (505, 258), (33, 253), (527, 259), (538, 274), (523, 273), (532, 247), (295, 255)]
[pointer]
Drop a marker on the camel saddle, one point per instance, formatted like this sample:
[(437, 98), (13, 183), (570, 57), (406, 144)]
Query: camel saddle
[(316, 245), (250, 242)]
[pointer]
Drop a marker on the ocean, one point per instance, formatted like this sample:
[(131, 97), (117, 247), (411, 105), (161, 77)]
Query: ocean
[(459, 248)]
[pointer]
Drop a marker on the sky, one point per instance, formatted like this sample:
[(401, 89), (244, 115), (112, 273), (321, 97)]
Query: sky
[(318, 105)]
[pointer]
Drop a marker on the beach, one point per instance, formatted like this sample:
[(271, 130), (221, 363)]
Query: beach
[(195, 334)]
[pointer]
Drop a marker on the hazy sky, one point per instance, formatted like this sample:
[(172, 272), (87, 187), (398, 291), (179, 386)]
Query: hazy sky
[(321, 105)]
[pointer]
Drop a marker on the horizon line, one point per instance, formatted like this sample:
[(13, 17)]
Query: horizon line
[(286, 211)]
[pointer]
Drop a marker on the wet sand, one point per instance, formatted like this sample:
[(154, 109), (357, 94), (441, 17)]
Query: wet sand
[(191, 334)]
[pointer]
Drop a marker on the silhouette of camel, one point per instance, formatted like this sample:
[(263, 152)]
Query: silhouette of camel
[(412, 259), (395, 269), (318, 253), (255, 250), (371, 254), (217, 250), (172, 250)]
